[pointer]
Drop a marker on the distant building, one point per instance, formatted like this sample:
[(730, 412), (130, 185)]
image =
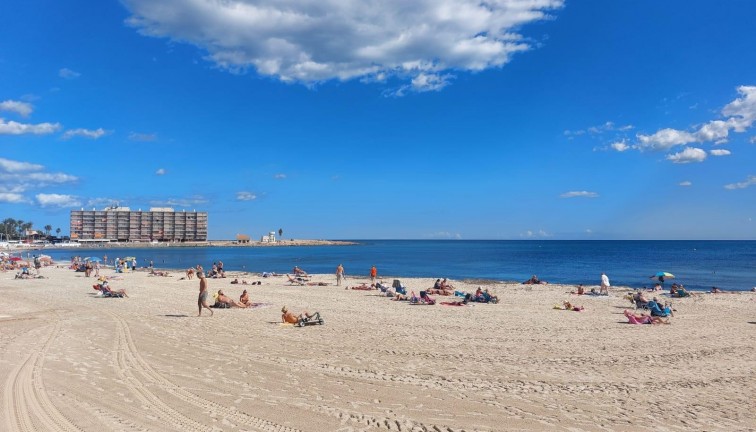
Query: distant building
[(270, 238), (242, 238), (123, 225)]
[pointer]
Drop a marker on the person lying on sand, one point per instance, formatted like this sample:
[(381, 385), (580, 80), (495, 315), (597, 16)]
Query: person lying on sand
[(643, 319), (404, 297), (580, 290), (363, 287), (106, 290), (159, 273), (228, 301), (568, 306), (290, 317)]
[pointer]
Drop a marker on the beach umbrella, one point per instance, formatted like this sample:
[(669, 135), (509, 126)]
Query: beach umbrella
[(129, 258), (14, 259), (665, 275), (95, 259)]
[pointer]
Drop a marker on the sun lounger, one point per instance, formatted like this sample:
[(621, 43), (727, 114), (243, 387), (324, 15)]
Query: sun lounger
[(310, 320)]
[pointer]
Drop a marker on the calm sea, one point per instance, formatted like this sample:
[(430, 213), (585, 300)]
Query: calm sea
[(730, 265)]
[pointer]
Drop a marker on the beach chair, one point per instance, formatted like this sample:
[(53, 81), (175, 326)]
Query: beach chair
[(656, 310), (310, 320)]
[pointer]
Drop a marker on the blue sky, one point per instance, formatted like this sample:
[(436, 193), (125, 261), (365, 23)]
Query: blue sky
[(429, 119)]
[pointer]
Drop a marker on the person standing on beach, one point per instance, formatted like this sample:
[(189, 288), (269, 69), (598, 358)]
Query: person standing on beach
[(373, 274), (202, 300), (339, 274), (604, 284)]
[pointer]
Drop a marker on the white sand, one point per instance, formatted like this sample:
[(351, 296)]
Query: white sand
[(70, 361)]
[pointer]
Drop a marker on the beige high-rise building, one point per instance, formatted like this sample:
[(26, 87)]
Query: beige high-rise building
[(123, 225)]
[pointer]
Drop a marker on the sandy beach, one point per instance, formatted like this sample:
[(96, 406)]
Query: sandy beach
[(73, 361)]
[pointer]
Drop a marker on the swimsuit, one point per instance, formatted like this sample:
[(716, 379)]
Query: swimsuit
[(203, 296)]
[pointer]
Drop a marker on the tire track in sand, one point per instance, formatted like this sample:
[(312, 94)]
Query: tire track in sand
[(27, 406), (129, 359)]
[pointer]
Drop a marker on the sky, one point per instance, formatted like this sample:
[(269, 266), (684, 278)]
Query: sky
[(430, 119)]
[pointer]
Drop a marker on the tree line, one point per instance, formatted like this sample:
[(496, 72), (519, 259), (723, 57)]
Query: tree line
[(16, 229)]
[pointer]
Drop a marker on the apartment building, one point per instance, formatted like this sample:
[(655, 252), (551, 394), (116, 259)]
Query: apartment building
[(121, 224)]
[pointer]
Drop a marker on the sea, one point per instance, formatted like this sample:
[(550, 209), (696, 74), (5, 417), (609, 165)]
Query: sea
[(698, 265)]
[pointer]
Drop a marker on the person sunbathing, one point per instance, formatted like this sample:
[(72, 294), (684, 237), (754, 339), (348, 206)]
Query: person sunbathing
[(534, 281), (405, 297), (580, 290), (364, 287), (290, 317), (227, 301), (298, 271), (568, 306), (244, 299), (107, 291), (643, 319)]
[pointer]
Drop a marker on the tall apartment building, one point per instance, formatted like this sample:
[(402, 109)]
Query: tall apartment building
[(123, 225)]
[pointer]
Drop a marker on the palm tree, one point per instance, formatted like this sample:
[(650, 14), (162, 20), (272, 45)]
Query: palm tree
[(9, 226), (280, 232), (57, 232), (48, 229)]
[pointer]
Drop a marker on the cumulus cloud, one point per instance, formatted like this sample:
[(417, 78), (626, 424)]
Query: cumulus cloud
[(688, 155), (715, 130), (143, 137), (750, 181), (742, 112), (86, 133), (246, 196), (21, 108), (665, 139), (279, 176), (310, 42), (68, 73), (160, 171), (719, 152), (619, 146), (15, 128), (579, 194), (685, 183), (57, 200), (13, 198)]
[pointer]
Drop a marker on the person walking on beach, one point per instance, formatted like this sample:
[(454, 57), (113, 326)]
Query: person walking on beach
[(604, 284), (339, 274), (202, 300), (373, 274)]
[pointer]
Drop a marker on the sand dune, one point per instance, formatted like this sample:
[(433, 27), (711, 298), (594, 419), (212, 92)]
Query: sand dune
[(71, 361)]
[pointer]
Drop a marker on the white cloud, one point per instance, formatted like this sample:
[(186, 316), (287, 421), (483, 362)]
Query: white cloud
[(246, 196), (719, 152), (17, 176), (688, 155), (750, 181), (180, 202), (144, 137), (715, 130), (86, 133), (279, 176), (57, 200), (665, 139), (15, 128), (600, 129), (446, 235), (68, 73), (535, 234), (576, 194), (160, 171), (742, 112), (620, 146), (310, 42), (13, 198), (11, 166), (685, 183), (22, 108)]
